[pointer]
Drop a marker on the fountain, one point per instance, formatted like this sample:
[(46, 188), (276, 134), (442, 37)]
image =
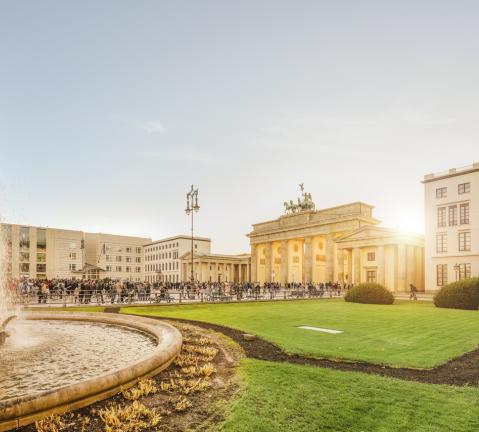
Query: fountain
[(3, 332), (57, 362)]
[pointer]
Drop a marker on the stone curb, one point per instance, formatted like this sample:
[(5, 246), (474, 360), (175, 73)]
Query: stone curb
[(16, 412)]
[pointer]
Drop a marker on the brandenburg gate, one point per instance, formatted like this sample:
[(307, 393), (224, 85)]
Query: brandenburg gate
[(338, 244)]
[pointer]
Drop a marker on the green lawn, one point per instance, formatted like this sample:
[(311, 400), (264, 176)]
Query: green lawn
[(290, 398), (404, 334)]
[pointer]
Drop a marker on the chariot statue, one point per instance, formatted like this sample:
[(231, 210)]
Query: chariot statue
[(305, 203)]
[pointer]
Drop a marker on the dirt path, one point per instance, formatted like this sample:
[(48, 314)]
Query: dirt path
[(460, 371)]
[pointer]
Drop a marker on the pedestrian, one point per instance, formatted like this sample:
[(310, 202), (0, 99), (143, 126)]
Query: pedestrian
[(413, 291)]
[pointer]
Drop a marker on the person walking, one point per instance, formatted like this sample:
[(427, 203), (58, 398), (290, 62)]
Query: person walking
[(413, 291)]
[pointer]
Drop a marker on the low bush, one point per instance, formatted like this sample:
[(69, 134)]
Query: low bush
[(463, 294), (371, 293)]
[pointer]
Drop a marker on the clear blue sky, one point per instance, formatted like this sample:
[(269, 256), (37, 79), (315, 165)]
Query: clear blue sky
[(109, 110)]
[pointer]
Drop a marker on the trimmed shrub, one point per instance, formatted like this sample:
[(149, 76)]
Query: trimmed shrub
[(463, 294), (371, 293)]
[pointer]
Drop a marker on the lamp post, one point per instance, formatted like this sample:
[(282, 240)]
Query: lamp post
[(192, 207)]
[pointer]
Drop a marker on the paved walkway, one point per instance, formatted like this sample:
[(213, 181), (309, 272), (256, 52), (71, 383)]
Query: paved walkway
[(176, 298)]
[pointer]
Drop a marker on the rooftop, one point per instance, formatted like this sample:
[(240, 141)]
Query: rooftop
[(451, 173), (215, 255), (187, 237)]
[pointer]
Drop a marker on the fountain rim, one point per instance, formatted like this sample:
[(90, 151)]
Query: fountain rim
[(16, 412)]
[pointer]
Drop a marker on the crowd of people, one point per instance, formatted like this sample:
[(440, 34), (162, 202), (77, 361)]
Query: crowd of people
[(113, 291)]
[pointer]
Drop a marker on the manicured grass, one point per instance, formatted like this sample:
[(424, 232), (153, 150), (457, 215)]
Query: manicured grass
[(404, 334), (291, 398)]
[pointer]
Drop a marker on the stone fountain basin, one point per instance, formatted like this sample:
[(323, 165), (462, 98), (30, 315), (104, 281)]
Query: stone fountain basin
[(16, 412)]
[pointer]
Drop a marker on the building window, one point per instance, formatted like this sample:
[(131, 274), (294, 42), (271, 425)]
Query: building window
[(41, 268), (441, 272), (371, 276), (118, 258), (72, 267), (128, 250), (24, 256), (441, 217), (108, 268), (24, 268), (464, 271), (7, 234), (441, 192), (371, 256), (41, 239), (118, 268), (464, 241), (464, 214), (464, 188), (138, 259), (441, 242), (138, 250), (73, 255), (452, 215), (108, 258), (128, 259), (24, 238), (128, 269), (41, 257), (138, 269)]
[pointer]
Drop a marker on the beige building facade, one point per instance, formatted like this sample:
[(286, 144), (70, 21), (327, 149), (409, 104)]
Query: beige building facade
[(332, 245), (37, 252), (452, 225), (208, 267), (383, 255), (114, 256)]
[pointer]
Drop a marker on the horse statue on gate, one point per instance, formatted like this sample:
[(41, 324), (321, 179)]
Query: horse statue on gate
[(305, 203)]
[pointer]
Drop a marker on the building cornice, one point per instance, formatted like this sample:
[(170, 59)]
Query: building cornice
[(309, 212), (370, 221), (178, 237), (453, 172)]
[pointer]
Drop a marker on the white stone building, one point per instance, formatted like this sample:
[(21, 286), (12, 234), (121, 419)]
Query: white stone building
[(208, 267), (162, 257), (452, 225)]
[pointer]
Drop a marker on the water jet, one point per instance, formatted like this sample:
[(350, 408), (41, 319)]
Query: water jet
[(3, 332)]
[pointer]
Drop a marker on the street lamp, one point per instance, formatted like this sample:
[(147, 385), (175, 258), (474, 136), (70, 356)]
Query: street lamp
[(192, 207)]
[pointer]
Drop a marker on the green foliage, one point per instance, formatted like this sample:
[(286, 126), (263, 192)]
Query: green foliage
[(463, 294), (370, 293)]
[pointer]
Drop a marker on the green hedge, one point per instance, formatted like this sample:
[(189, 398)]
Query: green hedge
[(463, 294), (371, 293)]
